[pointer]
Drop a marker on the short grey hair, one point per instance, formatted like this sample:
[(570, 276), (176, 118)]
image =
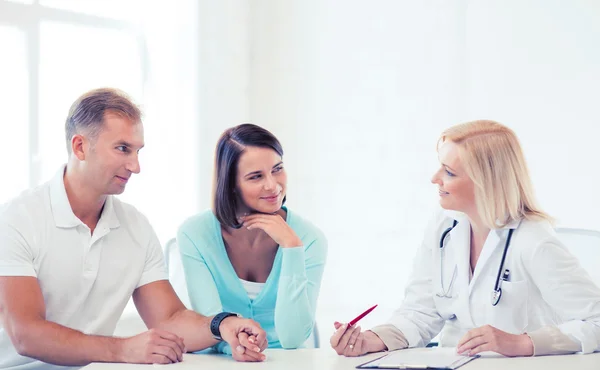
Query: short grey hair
[(87, 112)]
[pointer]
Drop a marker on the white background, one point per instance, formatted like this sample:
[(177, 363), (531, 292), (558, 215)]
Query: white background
[(358, 93)]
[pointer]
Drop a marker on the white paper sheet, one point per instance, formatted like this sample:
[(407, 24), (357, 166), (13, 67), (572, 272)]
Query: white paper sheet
[(421, 358)]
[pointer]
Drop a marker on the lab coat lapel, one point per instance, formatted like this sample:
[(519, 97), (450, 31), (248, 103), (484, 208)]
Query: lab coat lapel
[(495, 240), (491, 244), (459, 241)]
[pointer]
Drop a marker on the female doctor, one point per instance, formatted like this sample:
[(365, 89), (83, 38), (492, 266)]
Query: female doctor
[(493, 276)]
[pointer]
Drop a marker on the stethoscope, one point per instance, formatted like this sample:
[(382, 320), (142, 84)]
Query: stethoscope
[(501, 276)]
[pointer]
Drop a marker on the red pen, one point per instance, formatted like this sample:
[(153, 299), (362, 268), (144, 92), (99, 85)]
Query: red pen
[(357, 318)]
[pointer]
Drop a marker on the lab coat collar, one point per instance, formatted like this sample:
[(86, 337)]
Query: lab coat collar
[(462, 218), (514, 224), (496, 240), (459, 242)]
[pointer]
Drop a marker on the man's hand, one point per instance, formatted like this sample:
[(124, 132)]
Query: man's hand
[(246, 338), (152, 347)]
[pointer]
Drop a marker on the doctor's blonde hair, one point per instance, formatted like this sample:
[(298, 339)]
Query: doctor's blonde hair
[(493, 159)]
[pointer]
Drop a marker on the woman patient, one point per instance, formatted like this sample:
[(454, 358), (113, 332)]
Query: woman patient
[(250, 254)]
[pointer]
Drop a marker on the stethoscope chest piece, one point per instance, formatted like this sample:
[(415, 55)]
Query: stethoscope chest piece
[(496, 295)]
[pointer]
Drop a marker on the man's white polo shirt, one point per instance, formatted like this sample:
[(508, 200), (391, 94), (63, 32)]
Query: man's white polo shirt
[(86, 280)]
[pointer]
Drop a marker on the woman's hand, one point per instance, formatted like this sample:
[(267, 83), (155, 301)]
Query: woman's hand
[(275, 226), (246, 338), (488, 338), (351, 342)]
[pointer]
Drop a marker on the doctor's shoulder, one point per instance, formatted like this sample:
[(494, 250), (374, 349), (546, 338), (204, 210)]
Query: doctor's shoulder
[(535, 234)]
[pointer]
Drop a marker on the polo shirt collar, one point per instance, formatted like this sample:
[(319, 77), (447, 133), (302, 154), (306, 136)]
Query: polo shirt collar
[(62, 211), (109, 216)]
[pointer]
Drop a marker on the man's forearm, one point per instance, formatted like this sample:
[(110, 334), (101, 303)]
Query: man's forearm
[(192, 327), (59, 345)]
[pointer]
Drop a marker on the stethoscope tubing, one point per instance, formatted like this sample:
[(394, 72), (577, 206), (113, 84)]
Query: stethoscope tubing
[(497, 292)]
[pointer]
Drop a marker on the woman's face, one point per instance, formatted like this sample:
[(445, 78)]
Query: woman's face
[(261, 180), (457, 190)]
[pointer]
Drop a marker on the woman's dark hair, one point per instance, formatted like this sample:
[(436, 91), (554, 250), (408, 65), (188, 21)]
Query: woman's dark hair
[(230, 147)]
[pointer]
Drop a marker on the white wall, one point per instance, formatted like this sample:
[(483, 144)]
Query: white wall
[(224, 50), (212, 95), (170, 105), (535, 66), (358, 94), (191, 105)]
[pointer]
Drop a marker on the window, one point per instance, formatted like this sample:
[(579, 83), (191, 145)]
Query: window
[(59, 49), (77, 59), (14, 124), (114, 9)]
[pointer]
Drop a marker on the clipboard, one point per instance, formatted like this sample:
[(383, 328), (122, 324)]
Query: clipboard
[(429, 358)]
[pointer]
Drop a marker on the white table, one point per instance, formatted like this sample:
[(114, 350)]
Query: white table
[(326, 358)]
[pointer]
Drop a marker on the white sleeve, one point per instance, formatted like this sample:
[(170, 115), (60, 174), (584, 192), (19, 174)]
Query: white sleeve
[(154, 268), (16, 252), (569, 290), (549, 340), (418, 318)]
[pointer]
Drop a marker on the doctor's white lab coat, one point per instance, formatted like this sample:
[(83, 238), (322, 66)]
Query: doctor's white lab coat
[(548, 294)]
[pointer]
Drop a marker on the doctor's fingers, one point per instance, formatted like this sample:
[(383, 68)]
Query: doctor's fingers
[(471, 344), (349, 348), (473, 333), (486, 346), (361, 345), (354, 347), (345, 340), (337, 335)]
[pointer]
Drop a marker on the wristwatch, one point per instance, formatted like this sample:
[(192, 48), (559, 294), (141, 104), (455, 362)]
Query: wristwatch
[(215, 323)]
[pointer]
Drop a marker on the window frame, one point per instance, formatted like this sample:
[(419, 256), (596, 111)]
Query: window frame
[(28, 19)]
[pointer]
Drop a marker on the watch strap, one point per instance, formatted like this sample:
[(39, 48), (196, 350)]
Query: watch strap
[(215, 323)]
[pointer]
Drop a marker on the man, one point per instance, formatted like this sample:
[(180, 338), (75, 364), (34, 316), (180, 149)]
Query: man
[(71, 256)]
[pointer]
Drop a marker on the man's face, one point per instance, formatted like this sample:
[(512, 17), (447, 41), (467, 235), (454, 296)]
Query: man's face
[(113, 156)]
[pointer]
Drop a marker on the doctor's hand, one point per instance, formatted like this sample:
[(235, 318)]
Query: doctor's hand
[(246, 338), (275, 226), (351, 342), (488, 338)]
